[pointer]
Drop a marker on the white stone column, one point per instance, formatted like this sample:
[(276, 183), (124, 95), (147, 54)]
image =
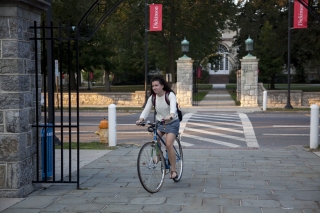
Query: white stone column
[(184, 81), (249, 81)]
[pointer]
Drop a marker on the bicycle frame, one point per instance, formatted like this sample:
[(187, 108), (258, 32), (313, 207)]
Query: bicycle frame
[(155, 135)]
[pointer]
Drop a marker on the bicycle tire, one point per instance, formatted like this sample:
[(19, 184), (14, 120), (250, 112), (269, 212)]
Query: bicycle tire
[(151, 174), (179, 159)]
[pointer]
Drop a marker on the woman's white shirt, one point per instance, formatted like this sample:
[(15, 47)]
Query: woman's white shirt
[(162, 108)]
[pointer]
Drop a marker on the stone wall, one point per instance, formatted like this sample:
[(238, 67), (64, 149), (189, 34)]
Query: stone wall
[(278, 98), (17, 96), (104, 99)]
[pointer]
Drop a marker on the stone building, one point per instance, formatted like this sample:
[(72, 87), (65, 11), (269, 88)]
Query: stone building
[(228, 59)]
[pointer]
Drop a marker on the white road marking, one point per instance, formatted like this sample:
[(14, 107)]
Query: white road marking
[(184, 122), (215, 133), (217, 115), (223, 119), (290, 126), (211, 140), (216, 127), (186, 144), (87, 124), (217, 122), (124, 132), (248, 131), (288, 134)]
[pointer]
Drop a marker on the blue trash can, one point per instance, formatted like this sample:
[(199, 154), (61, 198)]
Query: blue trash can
[(49, 151)]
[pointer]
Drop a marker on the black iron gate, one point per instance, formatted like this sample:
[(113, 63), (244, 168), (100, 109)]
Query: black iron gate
[(62, 43), (56, 111), (195, 101)]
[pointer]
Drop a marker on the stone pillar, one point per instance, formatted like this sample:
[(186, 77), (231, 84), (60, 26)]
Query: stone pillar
[(184, 81), (17, 96), (249, 81), (238, 73)]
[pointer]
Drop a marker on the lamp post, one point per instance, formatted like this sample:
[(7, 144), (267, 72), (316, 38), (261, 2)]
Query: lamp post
[(288, 105), (185, 47)]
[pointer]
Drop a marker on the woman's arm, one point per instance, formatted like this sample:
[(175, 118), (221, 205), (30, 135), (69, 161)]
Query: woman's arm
[(146, 110), (173, 103)]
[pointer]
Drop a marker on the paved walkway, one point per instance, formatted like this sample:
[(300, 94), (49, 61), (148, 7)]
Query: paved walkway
[(225, 180), (247, 180)]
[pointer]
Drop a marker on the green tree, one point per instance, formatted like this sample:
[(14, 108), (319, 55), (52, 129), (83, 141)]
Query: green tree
[(271, 56), (96, 54), (200, 21), (68, 13), (305, 46)]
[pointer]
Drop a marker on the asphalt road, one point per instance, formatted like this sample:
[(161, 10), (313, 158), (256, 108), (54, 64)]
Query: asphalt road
[(213, 130), (281, 129)]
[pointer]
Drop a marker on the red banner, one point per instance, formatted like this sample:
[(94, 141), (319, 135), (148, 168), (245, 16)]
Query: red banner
[(199, 72), (155, 17), (300, 17)]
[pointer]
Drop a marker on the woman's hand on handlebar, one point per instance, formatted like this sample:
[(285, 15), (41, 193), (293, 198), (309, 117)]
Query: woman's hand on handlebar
[(138, 122)]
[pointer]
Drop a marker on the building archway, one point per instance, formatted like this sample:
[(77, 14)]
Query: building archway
[(221, 67)]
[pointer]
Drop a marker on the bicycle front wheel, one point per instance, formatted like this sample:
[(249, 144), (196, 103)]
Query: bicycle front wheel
[(151, 167), (179, 159)]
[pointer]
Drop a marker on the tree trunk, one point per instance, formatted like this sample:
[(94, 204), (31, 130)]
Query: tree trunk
[(72, 80), (272, 84), (107, 82)]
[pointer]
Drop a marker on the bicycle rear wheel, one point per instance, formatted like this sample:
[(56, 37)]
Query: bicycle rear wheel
[(179, 159), (151, 169)]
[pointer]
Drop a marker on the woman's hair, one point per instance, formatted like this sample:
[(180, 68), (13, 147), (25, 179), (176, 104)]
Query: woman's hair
[(163, 82)]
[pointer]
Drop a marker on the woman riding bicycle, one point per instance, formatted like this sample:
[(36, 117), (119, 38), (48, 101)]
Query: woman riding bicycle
[(159, 88)]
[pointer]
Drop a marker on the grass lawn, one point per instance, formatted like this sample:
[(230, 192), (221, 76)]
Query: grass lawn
[(200, 95), (231, 88), (91, 145)]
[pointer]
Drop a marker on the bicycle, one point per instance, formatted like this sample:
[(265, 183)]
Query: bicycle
[(152, 164)]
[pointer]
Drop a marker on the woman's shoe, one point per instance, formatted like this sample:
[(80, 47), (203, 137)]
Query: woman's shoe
[(171, 174)]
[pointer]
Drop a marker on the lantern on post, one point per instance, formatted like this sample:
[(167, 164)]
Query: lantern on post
[(185, 47), (249, 46)]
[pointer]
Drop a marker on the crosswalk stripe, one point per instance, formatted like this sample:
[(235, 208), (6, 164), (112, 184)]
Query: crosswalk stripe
[(217, 122), (216, 127), (217, 116), (215, 133), (210, 140), (186, 144), (248, 131), (222, 119)]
